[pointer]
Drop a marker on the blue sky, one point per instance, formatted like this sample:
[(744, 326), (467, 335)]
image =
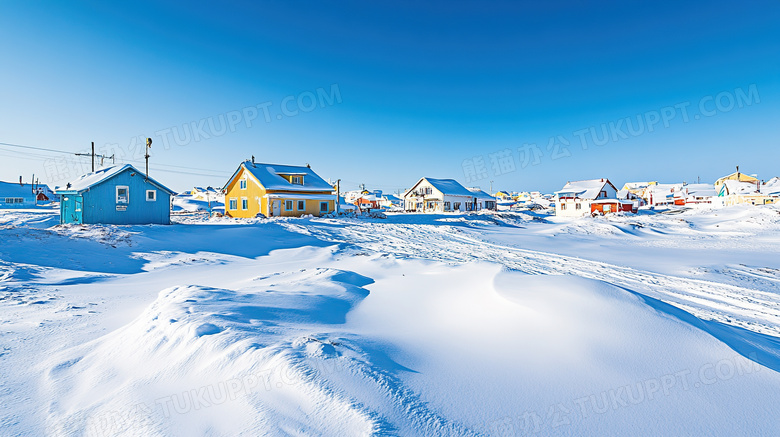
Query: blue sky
[(442, 89)]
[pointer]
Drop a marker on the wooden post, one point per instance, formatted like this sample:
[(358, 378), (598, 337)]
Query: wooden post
[(93, 157)]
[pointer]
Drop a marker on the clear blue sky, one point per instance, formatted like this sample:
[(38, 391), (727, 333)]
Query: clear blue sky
[(424, 89)]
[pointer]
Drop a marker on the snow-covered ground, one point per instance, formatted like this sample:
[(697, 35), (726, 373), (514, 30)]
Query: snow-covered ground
[(511, 323)]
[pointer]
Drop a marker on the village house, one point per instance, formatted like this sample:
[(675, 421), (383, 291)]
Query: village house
[(119, 195), (587, 197), (21, 195), (275, 190), (694, 194), (734, 192), (391, 201), (444, 195), (369, 200)]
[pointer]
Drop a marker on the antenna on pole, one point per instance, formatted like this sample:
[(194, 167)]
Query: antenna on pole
[(146, 156)]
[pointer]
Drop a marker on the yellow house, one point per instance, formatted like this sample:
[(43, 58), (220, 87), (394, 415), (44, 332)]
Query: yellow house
[(277, 190), (736, 176)]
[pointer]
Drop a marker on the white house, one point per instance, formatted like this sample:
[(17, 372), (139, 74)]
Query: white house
[(443, 195), (575, 198)]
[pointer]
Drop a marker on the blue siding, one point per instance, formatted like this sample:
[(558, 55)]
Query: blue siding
[(100, 203)]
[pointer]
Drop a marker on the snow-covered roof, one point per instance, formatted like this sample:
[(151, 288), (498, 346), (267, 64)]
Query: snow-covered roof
[(700, 190), (625, 194), (89, 180), (449, 186), (588, 189), (479, 194), (391, 198), (637, 185), (731, 186), (269, 177), (14, 189), (771, 187)]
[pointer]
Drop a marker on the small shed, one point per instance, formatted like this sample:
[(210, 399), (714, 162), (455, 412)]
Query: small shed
[(119, 195)]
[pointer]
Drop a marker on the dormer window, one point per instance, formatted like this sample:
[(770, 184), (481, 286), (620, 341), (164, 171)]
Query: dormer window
[(296, 180)]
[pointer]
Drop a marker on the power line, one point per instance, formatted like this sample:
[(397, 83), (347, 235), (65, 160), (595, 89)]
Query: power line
[(158, 166)]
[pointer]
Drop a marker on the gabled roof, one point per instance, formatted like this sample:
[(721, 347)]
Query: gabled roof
[(449, 187), (268, 175), (479, 194), (736, 176), (588, 189), (90, 180), (700, 190)]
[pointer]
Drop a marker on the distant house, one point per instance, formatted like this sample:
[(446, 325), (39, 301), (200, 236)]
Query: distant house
[(390, 201), (661, 194), (734, 192), (443, 195), (582, 198), (694, 194), (369, 200), (638, 188), (119, 195), (483, 199), (21, 195), (277, 190)]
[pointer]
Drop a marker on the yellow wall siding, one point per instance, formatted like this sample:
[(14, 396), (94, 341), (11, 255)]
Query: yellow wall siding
[(253, 193)]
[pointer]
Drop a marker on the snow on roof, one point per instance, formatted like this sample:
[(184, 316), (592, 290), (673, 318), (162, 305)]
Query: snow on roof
[(91, 179), (479, 194), (269, 177), (588, 189), (391, 198), (637, 185), (625, 194), (738, 187), (700, 190), (449, 186), (14, 189)]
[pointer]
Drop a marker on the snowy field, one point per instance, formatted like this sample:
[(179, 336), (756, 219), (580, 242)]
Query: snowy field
[(498, 324)]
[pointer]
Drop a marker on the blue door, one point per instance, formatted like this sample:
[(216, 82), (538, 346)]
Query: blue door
[(78, 214)]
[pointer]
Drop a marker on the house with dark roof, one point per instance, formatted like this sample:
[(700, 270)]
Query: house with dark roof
[(119, 195), (21, 195), (445, 195), (275, 190)]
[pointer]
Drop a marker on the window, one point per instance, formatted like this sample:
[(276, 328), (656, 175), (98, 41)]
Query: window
[(607, 208), (151, 195), (122, 194), (446, 206), (563, 206), (324, 207), (578, 206), (288, 205), (233, 203), (301, 205), (242, 183), (14, 200), (244, 203), (603, 194), (296, 180)]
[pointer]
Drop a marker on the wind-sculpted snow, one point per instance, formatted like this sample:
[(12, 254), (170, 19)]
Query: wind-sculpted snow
[(502, 324)]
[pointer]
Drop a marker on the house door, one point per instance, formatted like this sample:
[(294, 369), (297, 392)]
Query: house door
[(76, 214), (276, 206)]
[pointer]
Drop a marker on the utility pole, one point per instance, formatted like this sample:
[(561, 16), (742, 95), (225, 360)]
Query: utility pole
[(338, 195), (93, 155), (146, 156), (491, 188)]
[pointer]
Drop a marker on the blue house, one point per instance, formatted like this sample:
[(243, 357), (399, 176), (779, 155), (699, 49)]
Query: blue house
[(119, 195), (21, 195)]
